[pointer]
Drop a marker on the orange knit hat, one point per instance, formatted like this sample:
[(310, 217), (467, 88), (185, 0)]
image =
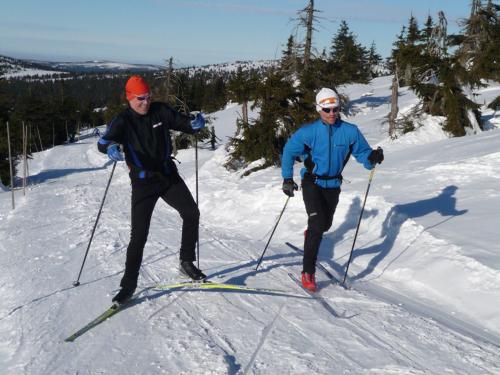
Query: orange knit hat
[(136, 86)]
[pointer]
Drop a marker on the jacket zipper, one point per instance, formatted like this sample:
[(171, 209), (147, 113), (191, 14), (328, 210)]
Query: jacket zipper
[(329, 151)]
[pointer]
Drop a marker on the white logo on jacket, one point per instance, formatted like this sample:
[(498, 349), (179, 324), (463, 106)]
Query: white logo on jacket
[(157, 124)]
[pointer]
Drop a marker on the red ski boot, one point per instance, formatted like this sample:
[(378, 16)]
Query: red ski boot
[(309, 281)]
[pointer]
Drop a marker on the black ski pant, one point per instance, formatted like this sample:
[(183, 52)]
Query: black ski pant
[(320, 206), (145, 194)]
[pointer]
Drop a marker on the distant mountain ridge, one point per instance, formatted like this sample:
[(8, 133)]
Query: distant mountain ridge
[(18, 68), (10, 66), (99, 66)]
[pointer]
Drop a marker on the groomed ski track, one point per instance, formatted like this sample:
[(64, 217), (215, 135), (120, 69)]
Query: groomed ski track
[(43, 241)]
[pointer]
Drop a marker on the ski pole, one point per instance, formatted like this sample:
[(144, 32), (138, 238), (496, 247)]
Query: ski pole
[(359, 222), (196, 167), (77, 282), (272, 233)]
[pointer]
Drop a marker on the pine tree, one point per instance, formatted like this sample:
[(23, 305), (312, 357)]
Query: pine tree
[(373, 61), (289, 60), (478, 46), (241, 89), (409, 52), (413, 34), (348, 58), (283, 109), (428, 28), (392, 61), (5, 107), (437, 78)]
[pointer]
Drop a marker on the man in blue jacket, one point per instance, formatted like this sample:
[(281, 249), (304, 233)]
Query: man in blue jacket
[(325, 145), (142, 131)]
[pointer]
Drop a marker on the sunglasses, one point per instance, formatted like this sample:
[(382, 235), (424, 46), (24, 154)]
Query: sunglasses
[(143, 97), (328, 110)]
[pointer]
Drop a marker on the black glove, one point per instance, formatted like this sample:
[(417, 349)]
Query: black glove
[(289, 186), (376, 156)]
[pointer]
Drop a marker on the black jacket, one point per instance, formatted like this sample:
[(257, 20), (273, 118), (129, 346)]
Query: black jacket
[(146, 138)]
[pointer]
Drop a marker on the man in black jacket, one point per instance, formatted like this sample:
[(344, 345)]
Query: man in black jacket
[(143, 130)]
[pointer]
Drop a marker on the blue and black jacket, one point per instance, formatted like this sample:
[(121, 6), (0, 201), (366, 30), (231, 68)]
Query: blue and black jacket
[(325, 149), (146, 138)]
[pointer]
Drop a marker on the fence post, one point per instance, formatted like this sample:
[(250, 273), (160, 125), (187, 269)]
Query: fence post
[(11, 169)]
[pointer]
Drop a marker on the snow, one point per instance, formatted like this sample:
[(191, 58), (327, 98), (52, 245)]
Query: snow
[(425, 275), (224, 121), (231, 67), (103, 65), (29, 72)]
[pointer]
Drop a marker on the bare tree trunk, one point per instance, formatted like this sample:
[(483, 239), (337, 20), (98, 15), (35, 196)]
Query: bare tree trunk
[(168, 79), (11, 167), (244, 110), (394, 108), (309, 32), (408, 74)]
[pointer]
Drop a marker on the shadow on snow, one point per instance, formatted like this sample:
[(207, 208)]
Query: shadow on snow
[(444, 204)]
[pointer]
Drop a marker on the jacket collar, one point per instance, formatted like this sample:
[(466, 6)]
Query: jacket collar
[(336, 124)]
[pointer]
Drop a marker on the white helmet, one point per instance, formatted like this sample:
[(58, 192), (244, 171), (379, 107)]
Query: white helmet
[(327, 98)]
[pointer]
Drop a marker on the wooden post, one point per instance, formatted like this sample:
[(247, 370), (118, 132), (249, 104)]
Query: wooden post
[(11, 167), (40, 138), (24, 157), (212, 137)]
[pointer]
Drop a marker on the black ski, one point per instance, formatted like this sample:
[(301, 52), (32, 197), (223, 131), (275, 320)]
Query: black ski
[(318, 298), (318, 264)]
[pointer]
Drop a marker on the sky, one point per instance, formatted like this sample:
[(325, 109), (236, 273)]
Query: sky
[(198, 32)]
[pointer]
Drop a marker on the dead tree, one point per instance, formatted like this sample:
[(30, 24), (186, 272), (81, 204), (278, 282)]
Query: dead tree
[(394, 107), (306, 19)]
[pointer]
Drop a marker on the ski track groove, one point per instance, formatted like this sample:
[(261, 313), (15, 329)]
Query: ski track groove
[(218, 339), (385, 346), (221, 344), (297, 328), (449, 330), (373, 339), (265, 333)]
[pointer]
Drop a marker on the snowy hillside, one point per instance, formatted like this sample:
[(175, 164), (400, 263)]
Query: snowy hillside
[(19, 68), (102, 66), (16, 68), (425, 279), (231, 67)]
